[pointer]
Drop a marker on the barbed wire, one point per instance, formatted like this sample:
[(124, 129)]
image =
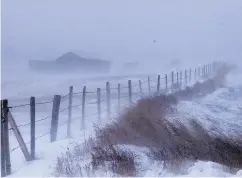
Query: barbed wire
[(64, 97), (28, 104), (30, 140)]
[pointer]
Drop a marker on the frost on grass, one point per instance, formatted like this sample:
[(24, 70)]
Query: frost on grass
[(153, 123)]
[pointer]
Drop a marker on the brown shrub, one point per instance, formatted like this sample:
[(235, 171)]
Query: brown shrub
[(119, 161)]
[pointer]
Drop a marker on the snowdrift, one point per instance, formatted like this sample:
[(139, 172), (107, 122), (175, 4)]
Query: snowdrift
[(155, 129)]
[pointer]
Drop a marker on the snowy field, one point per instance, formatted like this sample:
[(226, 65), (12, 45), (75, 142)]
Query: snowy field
[(223, 106), (163, 36)]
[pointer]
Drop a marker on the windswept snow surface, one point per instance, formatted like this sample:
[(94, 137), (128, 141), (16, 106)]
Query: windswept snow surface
[(223, 108)]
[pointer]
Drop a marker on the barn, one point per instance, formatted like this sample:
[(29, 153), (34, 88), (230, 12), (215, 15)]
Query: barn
[(71, 62)]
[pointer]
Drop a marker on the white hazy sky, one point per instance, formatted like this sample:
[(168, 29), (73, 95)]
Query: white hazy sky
[(124, 29)]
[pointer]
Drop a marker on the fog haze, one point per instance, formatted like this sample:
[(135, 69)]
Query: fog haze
[(150, 32), (123, 30)]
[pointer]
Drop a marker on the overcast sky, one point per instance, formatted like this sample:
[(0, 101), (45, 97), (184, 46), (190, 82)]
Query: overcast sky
[(124, 29)]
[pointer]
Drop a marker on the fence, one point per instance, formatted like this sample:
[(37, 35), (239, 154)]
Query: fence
[(100, 100)]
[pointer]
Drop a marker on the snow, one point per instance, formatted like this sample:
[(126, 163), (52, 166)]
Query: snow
[(224, 107)]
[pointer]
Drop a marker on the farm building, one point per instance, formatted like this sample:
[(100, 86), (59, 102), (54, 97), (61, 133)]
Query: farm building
[(70, 62)]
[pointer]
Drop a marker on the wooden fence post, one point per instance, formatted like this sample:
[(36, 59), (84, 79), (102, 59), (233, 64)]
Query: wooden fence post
[(32, 129), (195, 75), (140, 88), (199, 74), (3, 156), (177, 80), (149, 85), (83, 107), (99, 104), (108, 100), (210, 69), (119, 88), (69, 111), (203, 71), (186, 77), (19, 137), (130, 92), (181, 79), (190, 75), (206, 70), (166, 83), (55, 118), (5, 120), (172, 81), (158, 85)]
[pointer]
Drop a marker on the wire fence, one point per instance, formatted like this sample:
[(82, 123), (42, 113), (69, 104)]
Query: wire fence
[(103, 98)]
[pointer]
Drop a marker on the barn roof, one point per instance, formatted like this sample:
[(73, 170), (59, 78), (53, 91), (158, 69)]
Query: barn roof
[(70, 56)]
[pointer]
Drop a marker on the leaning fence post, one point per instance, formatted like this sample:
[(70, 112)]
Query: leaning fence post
[(69, 111), (19, 137), (32, 129), (119, 97), (158, 85), (130, 92), (149, 85), (5, 112), (55, 118), (140, 87), (99, 104), (172, 81), (108, 100), (83, 107), (166, 83)]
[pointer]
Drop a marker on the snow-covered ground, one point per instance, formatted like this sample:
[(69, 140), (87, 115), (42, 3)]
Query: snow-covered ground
[(223, 106)]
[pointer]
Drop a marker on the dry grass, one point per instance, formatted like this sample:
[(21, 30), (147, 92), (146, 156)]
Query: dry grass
[(145, 124)]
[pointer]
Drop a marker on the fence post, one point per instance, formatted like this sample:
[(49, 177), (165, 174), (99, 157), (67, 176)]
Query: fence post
[(5, 121), (166, 83), (172, 81), (3, 156), (108, 99), (140, 88), (32, 129), (19, 137), (177, 80), (119, 97), (83, 107), (99, 104), (190, 75), (130, 92), (203, 72), (158, 85), (55, 118), (149, 85), (186, 77), (210, 69), (181, 79), (195, 75), (69, 111), (206, 70), (199, 72)]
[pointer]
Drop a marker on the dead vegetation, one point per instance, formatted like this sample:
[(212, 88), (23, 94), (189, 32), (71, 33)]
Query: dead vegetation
[(145, 124)]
